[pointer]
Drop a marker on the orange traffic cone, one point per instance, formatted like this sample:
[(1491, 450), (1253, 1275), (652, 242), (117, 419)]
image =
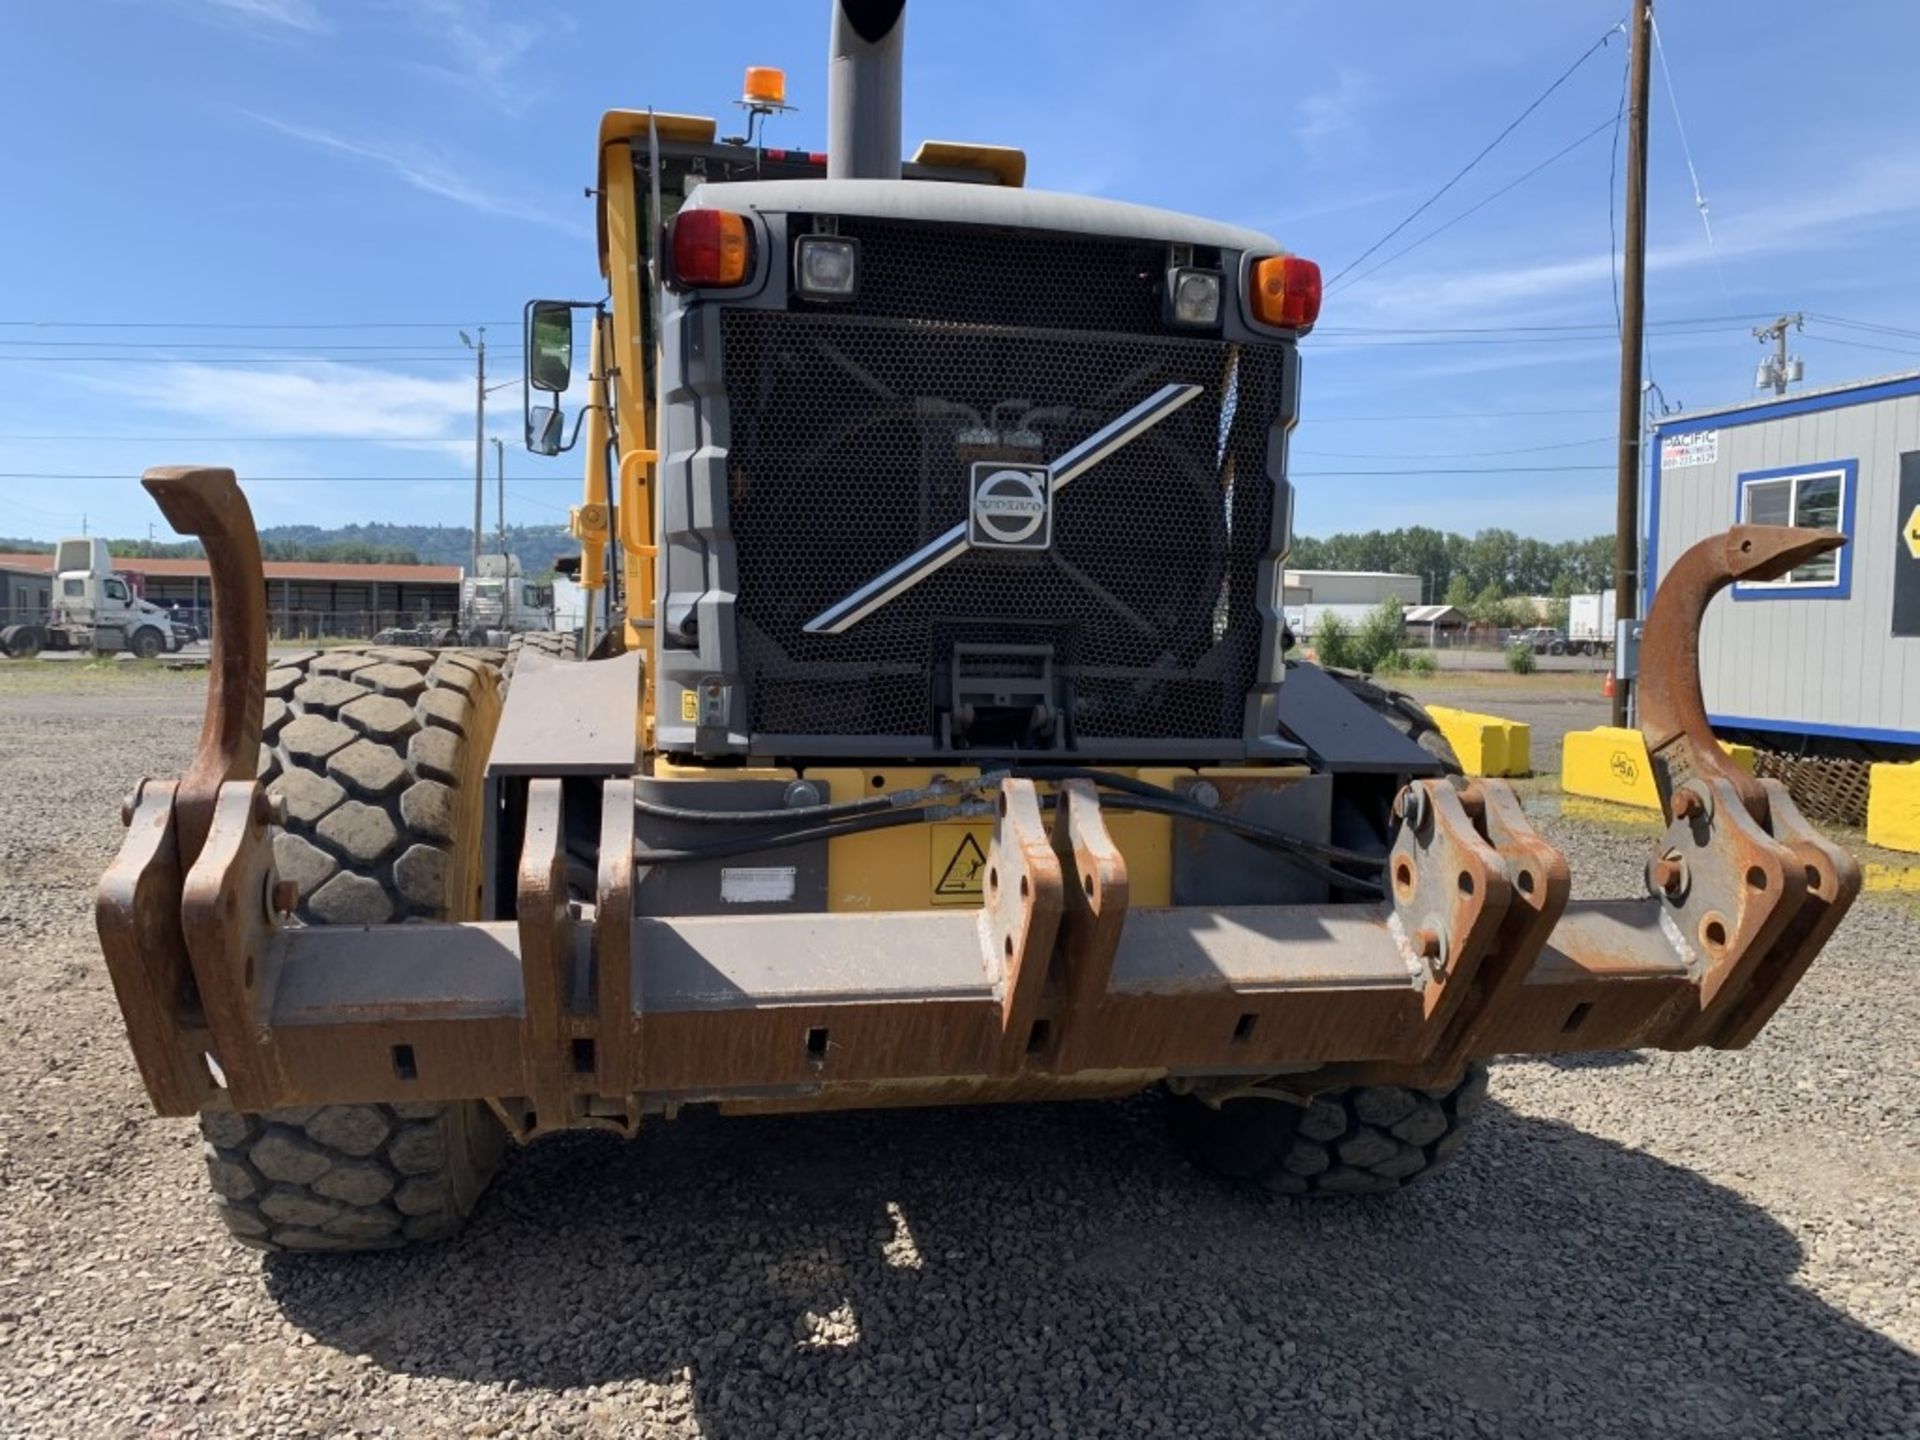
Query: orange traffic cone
[(1607, 689)]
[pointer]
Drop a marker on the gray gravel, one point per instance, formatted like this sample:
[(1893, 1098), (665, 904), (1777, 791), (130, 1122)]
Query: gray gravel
[(1635, 1245)]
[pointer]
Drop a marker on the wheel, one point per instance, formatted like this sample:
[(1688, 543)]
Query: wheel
[(147, 642), (377, 754), (1361, 1141), (1403, 712), (1557, 647), (21, 642), (557, 644)]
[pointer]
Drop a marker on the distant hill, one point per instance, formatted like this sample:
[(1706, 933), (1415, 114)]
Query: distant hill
[(538, 546)]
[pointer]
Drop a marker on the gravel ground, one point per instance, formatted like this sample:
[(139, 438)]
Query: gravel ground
[(1634, 1245)]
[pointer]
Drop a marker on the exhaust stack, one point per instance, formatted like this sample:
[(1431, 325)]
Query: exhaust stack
[(863, 89)]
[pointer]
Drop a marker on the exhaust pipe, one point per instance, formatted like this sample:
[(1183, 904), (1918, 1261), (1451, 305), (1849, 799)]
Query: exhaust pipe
[(863, 89)]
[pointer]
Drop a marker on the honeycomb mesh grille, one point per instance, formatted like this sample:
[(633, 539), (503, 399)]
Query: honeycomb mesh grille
[(847, 437), (1024, 279)]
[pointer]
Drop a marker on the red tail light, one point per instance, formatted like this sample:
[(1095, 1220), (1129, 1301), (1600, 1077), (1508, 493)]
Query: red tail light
[(710, 248), (1286, 292)]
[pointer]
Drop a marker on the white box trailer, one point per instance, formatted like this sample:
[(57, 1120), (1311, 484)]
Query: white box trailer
[(1590, 623)]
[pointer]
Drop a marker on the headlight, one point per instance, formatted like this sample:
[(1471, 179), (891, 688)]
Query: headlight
[(826, 267), (1193, 297)]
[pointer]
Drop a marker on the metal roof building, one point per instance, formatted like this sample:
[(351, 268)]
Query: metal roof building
[(304, 598)]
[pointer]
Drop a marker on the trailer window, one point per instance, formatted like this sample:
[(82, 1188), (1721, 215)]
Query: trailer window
[(1817, 497)]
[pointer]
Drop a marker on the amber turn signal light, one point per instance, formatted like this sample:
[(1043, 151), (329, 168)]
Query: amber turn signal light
[(1285, 291), (711, 248)]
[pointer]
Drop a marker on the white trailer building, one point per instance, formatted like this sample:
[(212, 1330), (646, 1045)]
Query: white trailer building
[(1825, 661)]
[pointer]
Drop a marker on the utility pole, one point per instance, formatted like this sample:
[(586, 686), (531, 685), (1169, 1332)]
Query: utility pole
[(1633, 298), (1778, 370), (479, 349)]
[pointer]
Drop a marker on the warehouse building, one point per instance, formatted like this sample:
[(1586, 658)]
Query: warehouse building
[(1351, 587), (1825, 662), (305, 599)]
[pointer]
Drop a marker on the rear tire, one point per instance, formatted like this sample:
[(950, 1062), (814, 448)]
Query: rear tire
[(1403, 712), (1366, 1140), (559, 645), (21, 642), (377, 754)]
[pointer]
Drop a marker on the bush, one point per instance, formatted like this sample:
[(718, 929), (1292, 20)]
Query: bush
[(1422, 663), (1520, 660), (1332, 645)]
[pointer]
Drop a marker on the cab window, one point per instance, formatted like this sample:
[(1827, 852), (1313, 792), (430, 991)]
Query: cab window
[(73, 589), (116, 590)]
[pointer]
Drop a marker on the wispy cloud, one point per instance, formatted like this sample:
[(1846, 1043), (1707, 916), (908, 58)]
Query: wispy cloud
[(299, 15), (480, 48), (324, 398), (1762, 228), (1331, 119), (424, 170)]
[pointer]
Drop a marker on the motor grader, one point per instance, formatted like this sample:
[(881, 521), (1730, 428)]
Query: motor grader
[(945, 746)]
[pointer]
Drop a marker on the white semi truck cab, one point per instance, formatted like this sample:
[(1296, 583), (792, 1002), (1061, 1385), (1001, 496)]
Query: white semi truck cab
[(96, 609), (498, 601)]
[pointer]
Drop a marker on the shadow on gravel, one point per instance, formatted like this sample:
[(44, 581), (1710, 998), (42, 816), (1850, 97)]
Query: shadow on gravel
[(956, 1272)]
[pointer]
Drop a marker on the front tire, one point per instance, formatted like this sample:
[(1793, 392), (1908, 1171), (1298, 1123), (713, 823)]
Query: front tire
[(1365, 1140), (147, 643), (377, 754)]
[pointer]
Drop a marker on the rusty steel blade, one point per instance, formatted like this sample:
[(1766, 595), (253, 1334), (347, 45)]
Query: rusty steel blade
[(1673, 714)]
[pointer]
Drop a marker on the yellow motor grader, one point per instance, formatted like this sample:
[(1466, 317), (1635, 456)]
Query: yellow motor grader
[(939, 742)]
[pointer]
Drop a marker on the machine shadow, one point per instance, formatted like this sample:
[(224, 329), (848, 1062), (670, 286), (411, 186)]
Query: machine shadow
[(866, 1273)]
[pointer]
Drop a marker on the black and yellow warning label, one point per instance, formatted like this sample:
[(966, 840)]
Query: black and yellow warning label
[(957, 873)]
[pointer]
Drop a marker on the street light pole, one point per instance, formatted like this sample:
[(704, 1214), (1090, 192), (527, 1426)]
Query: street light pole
[(479, 348), (500, 498)]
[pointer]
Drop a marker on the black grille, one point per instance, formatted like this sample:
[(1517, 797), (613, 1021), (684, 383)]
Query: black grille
[(846, 456), (1025, 279)]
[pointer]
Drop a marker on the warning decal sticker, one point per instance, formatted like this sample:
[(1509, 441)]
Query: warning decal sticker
[(959, 864)]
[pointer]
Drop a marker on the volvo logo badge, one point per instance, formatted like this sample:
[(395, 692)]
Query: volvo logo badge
[(1012, 507)]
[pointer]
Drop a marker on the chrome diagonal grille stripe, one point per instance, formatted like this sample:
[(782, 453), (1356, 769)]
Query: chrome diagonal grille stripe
[(944, 549)]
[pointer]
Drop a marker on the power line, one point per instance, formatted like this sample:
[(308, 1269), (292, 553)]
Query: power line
[(248, 324), (1864, 325), (1699, 196), (1491, 145), (207, 345), (1514, 183), (1369, 344), (1599, 325), (235, 359), (1455, 454), (1457, 415), (1864, 345), (38, 475)]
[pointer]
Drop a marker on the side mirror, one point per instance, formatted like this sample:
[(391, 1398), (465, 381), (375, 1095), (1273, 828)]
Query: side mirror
[(550, 345), (547, 430)]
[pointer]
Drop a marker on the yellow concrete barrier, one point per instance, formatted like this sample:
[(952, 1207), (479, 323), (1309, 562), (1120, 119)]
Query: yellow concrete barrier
[(1486, 744), (1892, 879), (1611, 764), (1893, 806)]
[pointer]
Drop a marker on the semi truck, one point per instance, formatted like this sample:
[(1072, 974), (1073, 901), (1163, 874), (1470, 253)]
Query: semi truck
[(98, 609)]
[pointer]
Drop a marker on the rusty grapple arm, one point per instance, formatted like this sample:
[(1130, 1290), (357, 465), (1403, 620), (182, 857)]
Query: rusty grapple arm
[(570, 1014)]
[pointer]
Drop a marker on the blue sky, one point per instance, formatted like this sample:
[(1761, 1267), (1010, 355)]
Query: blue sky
[(383, 173)]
